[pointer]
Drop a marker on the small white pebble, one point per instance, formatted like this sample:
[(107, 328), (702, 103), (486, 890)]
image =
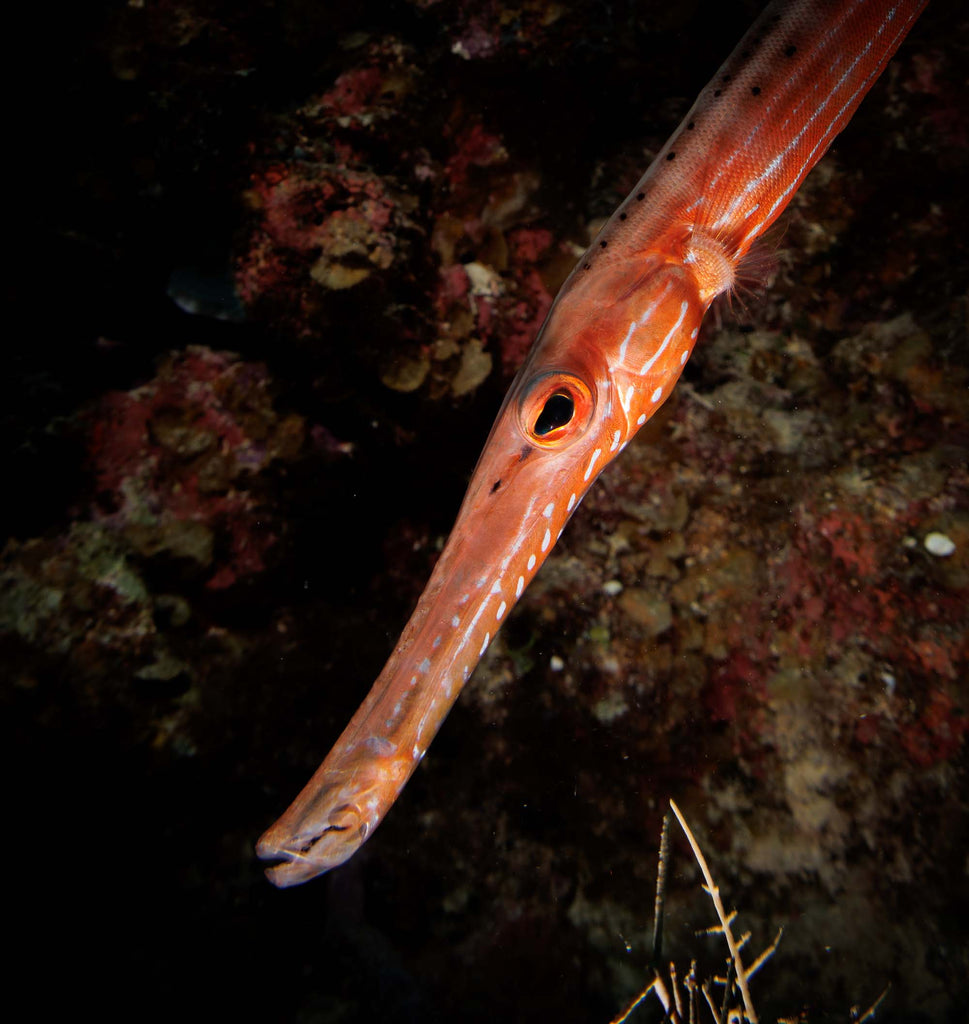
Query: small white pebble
[(611, 588), (555, 663), (939, 544)]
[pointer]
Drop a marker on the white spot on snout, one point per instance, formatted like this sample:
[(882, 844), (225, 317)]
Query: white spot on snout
[(484, 645), (656, 395), (615, 441), (455, 621), (571, 504), (531, 562), (549, 509), (546, 540), (520, 587), (380, 746)]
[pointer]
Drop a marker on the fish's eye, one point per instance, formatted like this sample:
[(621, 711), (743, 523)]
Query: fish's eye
[(557, 411), (555, 408)]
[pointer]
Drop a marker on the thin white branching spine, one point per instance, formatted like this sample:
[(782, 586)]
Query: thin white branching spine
[(713, 892), (680, 1010), (625, 1015), (676, 991), (870, 1012), (714, 1012), (677, 1009)]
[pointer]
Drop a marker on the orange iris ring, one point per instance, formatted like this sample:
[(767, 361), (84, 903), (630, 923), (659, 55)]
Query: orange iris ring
[(538, 393)]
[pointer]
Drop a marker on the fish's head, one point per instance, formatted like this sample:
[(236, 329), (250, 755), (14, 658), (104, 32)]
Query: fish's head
[(605, 361), (607, 358), (332, 820)]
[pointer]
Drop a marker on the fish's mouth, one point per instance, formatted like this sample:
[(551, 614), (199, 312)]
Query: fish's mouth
[(295, 864), (309, 850)]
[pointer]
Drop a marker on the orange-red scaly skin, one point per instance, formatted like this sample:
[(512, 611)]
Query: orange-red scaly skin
[(614, 342)]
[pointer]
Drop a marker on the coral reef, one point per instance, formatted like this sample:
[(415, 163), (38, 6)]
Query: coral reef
[(172, 459), (218, 525)]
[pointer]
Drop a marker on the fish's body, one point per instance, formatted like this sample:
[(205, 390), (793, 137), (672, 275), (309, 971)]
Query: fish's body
[(611, 349)]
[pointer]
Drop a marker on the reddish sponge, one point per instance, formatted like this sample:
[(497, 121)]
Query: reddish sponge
[(175, 460)]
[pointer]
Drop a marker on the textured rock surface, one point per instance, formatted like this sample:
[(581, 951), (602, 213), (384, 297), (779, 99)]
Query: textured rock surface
[(218, 523)]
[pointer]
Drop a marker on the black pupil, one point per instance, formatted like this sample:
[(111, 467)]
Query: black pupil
[(557, 412)]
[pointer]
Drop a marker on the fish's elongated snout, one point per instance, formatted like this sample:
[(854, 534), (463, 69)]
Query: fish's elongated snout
[(568, 414)]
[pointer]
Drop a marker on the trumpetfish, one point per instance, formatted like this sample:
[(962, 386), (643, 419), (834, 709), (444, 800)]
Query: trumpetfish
[(608, 355)]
